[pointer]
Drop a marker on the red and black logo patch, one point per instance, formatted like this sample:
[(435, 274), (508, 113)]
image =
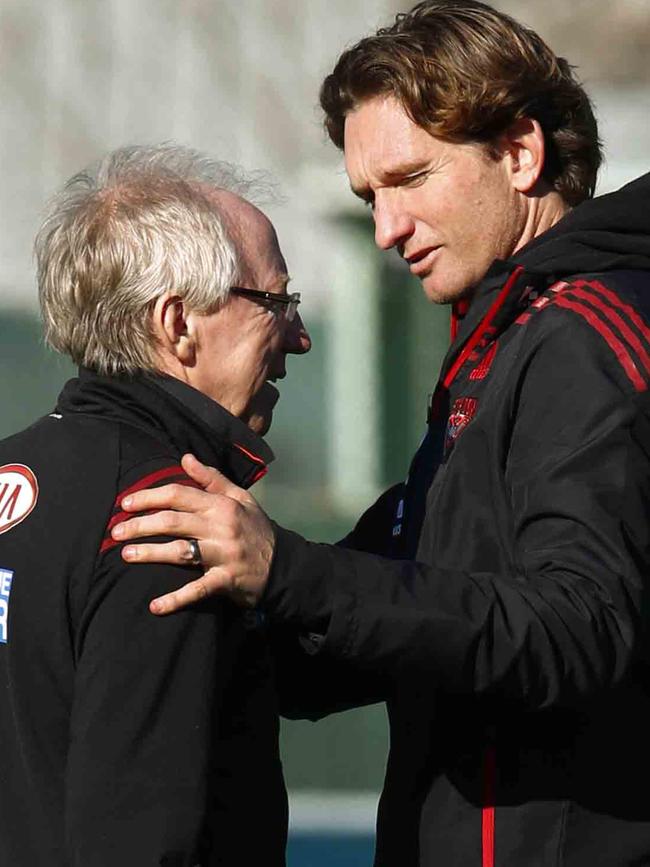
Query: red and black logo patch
[(18, 494), (462, 412)]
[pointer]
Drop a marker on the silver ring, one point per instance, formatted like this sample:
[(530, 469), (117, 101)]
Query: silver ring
[(194, 552)]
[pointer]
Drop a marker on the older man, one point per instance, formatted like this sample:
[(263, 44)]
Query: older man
[(509, 633), (126, 739)]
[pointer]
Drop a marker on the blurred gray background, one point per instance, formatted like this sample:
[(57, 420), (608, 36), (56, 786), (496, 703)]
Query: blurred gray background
[(240, 80)]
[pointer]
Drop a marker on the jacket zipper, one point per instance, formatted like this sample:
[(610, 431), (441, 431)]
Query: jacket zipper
[(490, 758), (484, 324), (489, 792)]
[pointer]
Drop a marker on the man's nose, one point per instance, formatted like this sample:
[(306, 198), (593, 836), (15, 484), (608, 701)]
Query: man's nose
[(393, 225), (296, 337)]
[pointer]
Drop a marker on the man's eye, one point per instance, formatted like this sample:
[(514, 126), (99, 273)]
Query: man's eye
[(415, 180)]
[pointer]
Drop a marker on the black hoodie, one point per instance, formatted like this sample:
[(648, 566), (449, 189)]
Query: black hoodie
[(508, 631)]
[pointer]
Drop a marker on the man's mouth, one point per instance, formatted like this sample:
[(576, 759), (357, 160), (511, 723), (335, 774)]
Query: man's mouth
[(422, 260)]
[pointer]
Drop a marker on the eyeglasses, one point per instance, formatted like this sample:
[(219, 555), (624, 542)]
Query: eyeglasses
[(289, 302)]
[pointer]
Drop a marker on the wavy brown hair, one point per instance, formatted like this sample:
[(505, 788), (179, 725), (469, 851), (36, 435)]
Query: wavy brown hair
[(465, 72)]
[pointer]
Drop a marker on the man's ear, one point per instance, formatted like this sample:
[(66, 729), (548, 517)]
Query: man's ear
[(173, 330), (523, 143)]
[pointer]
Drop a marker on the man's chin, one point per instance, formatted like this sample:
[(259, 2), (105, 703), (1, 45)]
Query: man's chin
[(442, 292), (260, 409)]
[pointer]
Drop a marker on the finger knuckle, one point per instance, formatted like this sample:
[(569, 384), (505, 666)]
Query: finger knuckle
[(126, 529), (230, 508), (174, 491), (228, 553), (168, 522), (201, 590)]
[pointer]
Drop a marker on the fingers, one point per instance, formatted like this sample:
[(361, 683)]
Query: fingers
[(189, 594), (209, 478), (215, 581), (178, 497), (176, 552), (166, 523)]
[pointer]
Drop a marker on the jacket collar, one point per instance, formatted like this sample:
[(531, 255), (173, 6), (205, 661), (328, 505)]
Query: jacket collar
[(606, 233), (173, 411), (227, 426), (521, 288)]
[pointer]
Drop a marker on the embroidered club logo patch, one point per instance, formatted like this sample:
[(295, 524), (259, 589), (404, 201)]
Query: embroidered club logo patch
[(18, 494), (6, 577), (462, 412)]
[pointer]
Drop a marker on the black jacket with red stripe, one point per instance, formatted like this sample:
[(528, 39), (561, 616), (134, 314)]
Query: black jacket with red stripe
[(509, 631), (126, 739)]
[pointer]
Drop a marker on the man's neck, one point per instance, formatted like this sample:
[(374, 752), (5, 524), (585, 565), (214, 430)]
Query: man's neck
[(542, 214)]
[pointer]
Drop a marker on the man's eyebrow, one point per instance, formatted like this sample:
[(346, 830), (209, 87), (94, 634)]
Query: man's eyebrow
[(398, 172), (404, 170)]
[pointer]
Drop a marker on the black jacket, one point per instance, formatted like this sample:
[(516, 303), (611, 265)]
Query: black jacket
[(127, 739), (509, 633)]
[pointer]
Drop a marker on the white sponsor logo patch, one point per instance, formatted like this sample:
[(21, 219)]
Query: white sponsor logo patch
[(18, 494), (6, 577)]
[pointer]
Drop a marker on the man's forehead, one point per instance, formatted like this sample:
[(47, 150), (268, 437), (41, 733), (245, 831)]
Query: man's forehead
[(236, 212), (261, 261), (381, 138), (260, 249)]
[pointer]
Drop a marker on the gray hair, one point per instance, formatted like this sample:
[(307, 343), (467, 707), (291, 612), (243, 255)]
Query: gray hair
[(138, 223)]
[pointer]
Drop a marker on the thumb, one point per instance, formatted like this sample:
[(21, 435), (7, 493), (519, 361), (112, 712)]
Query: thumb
[(210, 479)]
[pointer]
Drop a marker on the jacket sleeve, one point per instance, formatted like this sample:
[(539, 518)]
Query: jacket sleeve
[(310, 684), (141, 730), (372, 532), (569, 618)]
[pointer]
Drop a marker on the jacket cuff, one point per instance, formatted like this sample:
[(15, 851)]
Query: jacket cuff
[(299, 591)]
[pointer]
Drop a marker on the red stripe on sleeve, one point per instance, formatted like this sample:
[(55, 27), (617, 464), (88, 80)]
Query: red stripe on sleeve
[(615, 319), (616, 301), (613, 342), (107, 544), (148, 481), (124, 516), (176, 474)]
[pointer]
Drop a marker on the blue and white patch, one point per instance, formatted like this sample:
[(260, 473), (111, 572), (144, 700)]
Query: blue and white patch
[(6, 578)]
